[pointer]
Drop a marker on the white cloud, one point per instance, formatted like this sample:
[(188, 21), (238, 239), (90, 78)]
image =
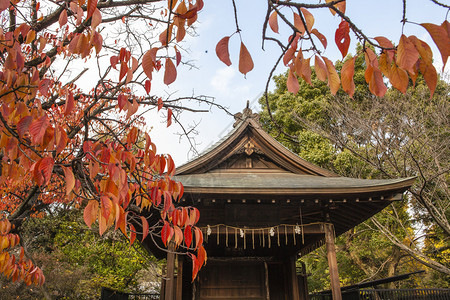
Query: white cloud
[(221, 81)]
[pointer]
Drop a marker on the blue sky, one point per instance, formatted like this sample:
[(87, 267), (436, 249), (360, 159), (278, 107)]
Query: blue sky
[(232, 90)]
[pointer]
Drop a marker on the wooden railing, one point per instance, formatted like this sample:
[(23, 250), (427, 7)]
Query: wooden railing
[(389, 294)]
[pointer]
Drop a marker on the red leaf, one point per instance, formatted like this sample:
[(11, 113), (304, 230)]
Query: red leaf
[(22, 126), (178, 235), (144, 228), (245, 60), (148, 86), (91, 6), (321, 70), (347, 72), (45, 169), (342, 37), (96, 18), (90, 212), (122, 101), (273, 21), (194, 266), (62, 18), (170, 73), (321, 37), (165, 233), (292, 83), (170, 166), (169, 117), (407, 55), (198, 237), (222, 51), (44, 86), (188, 236), (37, 129), (132, 234), (4, 4), (441, 37), (160, 103), (178, 56), (70, 103), (201, 256)]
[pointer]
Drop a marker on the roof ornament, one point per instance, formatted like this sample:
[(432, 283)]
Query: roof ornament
[(247, 113)]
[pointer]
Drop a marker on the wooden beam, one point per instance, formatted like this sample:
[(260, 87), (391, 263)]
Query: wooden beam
[(332, 262), (315, 228), (169, 286), (179, 292), (295, 291)]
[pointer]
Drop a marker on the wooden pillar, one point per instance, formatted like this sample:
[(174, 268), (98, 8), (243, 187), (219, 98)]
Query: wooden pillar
[(332, 262), (169, 286), (295, 292), (179, 292)]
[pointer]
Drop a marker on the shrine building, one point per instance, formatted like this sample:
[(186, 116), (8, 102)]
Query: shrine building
[(261, 208)]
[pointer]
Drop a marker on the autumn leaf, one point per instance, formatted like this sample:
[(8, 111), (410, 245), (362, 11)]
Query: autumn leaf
[(430, 75), (222, 50), (292, 83), (188, 236), (333, 77), (62, 18), (340, 6), (145, 228), (91, 6), (347, 72), (22, 126), (398, 78), (385, 43), (342, 37), (320, 36), (245, 60), (170, 73), (407, 55), (37, 129), (441, 37), (321, 70), (273, 21), (306, 71), (166, 233), (69, 179), (309, 18), (90, 212), (147, 86), (70, 103), (96, 18), (169, 117)]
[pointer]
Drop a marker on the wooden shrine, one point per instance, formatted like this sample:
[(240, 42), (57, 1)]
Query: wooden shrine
[(261, 207)]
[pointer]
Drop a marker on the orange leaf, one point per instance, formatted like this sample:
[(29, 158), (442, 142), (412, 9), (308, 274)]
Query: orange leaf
[(407, 55), (170, 166), (96, 18), (375, 80), (384, 65), (298, 23), (170, 73), (321, 37), (398, 78), (342, 37), (306, 71), (91, 6), (347, 72), (198, 237), (385, 43), (132, 234), (273, 21), (441, 37), (309, 18), (178, 235), (292, 83), (245, 60), (69, 178), (201, 255), (222, 50), (429, 74), (340, 6), (333, 77), (90, 212), (22, 126), (321, 70)]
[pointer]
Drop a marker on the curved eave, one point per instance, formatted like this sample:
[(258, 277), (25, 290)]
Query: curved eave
[(274, 149)]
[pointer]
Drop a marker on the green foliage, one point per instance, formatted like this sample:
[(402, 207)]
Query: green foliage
[(322, 129), (77, 262)]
